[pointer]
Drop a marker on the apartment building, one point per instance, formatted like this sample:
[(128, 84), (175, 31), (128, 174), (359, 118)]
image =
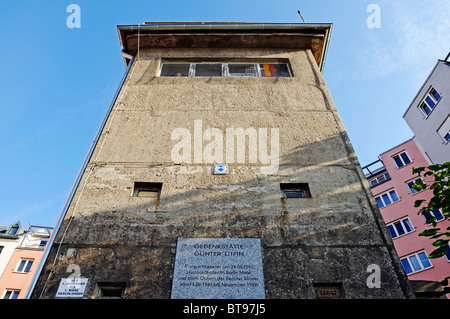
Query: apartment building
[(391, 179), (20, 258), (428, 115)]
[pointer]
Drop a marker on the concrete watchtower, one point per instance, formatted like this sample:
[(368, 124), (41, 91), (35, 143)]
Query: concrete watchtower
[(222, 132)]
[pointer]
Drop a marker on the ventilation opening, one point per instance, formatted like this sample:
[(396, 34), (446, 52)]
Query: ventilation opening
[(145, 189), (329, 290), (295, 190), (110, 290)]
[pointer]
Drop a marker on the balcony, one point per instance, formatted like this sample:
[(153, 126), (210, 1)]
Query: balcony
[(376, 173)]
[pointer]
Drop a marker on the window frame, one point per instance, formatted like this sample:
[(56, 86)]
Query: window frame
[(151, 187), (26, 267), (412, 191), (433, 214), (418, 259), (429, 95), (380, 179), (226, 68), (13, 292), (290, 190), (388, 193), (13, 230), (446, 137), (400, 221), (399, 154)]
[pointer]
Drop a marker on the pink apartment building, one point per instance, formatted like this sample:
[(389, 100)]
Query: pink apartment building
[(23, 263), (391, 187)]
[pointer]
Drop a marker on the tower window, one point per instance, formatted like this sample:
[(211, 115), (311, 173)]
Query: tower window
[(145, 189), (274, 70), (295, 190), (228, 69), (175, 69), (203, 69)]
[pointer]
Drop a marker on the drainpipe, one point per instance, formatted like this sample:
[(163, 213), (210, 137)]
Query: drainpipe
[(130, 59)]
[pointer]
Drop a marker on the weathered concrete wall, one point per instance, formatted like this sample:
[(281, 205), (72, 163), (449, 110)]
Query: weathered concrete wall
[(332, 237)]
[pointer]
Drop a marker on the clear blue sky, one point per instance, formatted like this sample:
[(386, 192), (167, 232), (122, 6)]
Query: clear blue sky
[(56, 83)]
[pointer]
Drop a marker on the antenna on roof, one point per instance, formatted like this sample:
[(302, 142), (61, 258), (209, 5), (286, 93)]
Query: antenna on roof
[(301, 16)]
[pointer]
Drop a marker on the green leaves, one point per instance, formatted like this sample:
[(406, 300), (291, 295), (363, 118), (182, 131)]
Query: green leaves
[(438, 252), (418, 202), (440, 187), (429, 232)]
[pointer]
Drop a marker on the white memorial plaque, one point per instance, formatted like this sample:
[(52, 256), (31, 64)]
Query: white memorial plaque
[(71, 287), (218, 268)]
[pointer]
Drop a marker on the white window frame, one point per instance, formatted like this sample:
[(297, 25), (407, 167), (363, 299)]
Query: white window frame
[(432, 213), (416, 254), (412, 191), (401, 221), (225, 68), (12, 291), (390, 197), (447, 257), (446, 137), (423, 101), (27, 261), (379, 180), (402, 160)]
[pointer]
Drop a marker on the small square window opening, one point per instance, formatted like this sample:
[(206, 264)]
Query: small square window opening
[(145, 189), (113, 290), (295, 190)]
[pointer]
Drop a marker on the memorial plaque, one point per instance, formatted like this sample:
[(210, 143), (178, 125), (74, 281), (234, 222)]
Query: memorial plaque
[(218, 268), (72, 287)]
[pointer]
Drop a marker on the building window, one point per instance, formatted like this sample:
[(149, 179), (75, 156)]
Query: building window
[(11, 294), (379, 180), (401, 159), (429, 102), (444, 130), (400, 227), (207, 69), (13, 229), (434, 215), (175, 69), (387, 198), (295, 190), (226, 69), (144, 189), (24, 265), (235, 69), (447, 137), (1, 248), (416, 262), (274, 70), (410, 185)]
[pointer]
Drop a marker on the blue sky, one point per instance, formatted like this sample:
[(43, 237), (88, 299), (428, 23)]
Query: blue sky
[(56, 83)]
